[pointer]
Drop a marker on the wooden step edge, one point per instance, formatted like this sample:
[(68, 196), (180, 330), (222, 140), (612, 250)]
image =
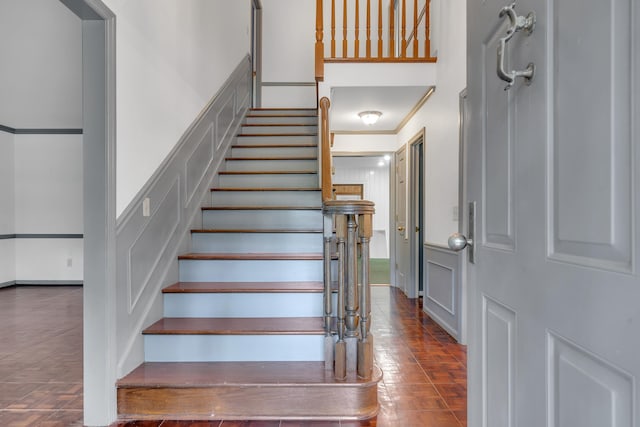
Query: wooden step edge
[(206, 374), (279, 124), (245, 287), (278, 116), (267, 173), (262, 208), (308, 145), (282, 109), (265, 189), (280, 135), (272, 158), (256, 230), (257, 256), (236, 326)]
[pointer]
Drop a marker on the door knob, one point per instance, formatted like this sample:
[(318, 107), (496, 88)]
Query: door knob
[(401, 228), (458, 242)]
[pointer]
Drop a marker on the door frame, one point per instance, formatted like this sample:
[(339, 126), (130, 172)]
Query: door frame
[(415, 187), (99, 205)]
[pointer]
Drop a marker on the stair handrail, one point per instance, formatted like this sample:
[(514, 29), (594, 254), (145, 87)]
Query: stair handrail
[(352, 353), (325, 149)]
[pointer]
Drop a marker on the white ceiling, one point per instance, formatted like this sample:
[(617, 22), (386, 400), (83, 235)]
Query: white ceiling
[(394, 102)]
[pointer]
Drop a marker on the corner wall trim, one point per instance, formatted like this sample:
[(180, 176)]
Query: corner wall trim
[(48, 282), (44, 131), (41, 236)]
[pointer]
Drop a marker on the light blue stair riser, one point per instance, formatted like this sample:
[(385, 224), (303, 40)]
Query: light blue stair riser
[(290, 304), (256, 242), (272, 139), (257, 151), (263, 219), (270, 119), (285, 180), (229, 348), (266, 198), (261, 130), (272, 165), (250, 270)]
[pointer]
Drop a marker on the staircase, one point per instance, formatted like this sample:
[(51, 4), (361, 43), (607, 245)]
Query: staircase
[(242, 335)]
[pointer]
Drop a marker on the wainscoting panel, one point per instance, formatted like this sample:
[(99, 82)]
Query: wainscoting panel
[(442, 288), (147, 246)]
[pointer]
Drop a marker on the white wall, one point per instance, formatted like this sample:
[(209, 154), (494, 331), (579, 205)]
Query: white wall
[(40, 175), (288, 28), (172, 58), (348, 143), (7, 224), (375, 180), (440, 118), (42, 86), (48, 200)]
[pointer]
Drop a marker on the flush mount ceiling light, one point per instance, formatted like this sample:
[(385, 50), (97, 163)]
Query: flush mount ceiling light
[(370, 117)]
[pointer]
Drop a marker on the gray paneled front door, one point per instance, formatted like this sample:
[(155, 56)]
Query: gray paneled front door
[(553, 166)]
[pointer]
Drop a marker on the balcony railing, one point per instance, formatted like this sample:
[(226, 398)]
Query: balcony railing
[(393, 31)]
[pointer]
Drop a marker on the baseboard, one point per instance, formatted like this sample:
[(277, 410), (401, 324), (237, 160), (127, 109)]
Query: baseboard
[(41, 283)]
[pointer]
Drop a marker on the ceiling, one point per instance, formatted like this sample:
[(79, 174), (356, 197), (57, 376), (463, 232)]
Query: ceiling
[(394, 102)]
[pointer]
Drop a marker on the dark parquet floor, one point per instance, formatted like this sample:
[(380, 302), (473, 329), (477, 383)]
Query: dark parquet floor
[(424, 381)]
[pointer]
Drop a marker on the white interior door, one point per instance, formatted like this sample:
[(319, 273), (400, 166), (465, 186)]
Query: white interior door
[(554, 294), (401, 267)]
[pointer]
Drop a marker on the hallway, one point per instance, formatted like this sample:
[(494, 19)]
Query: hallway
[(424, 382)]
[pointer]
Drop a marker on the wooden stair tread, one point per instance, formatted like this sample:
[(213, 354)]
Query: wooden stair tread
[(254, 230), (203, 374), (261, 208), (264, 189), (237, 326), (282, 109), (280, 134), (252, 256), (272, 158), (243, 287), (309, 145), (278, 124), (280, 115), (307, 172)]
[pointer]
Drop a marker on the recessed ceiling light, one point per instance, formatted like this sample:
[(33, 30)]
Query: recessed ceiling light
[(370, 117), (381, 163), (387, 157)]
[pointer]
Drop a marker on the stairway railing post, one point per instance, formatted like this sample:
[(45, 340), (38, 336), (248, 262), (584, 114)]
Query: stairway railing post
[(340, 368), (327, 293), (365, 344)]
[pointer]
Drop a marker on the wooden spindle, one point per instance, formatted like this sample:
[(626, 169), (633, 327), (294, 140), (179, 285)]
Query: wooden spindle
[(379, 28), (333, 28), (344, 28), (427, 27), (368, 43), (392, 30), (351, 296), (340, 366), (415, 28), (327, 296), (319, 42), (325, 149), (365, 344), (356, 43), (403, 53)]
